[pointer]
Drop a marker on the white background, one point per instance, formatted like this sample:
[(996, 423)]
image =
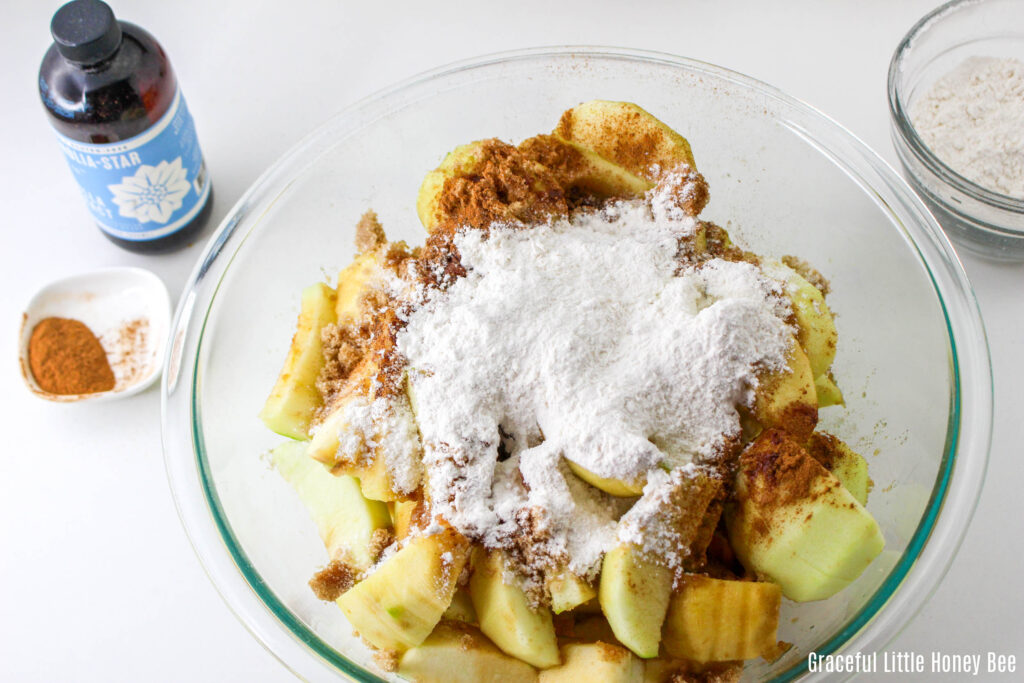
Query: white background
[(97, 579)]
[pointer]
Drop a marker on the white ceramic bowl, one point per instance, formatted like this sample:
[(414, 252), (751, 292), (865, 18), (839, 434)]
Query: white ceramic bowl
[(106, 301)]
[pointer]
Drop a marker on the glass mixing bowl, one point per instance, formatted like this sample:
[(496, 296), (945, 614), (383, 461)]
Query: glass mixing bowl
[(913, 360)]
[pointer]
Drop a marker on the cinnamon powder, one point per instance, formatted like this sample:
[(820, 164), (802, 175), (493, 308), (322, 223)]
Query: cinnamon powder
[(66, 358), (778, 470), (504, 186)]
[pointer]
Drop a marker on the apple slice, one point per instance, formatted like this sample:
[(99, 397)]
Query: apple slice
[(455, 653), (712, 620), (634, 595), (794, 523), (346, 520), (828, 392), (787, 399), (577, 167), (353, 283), (816, 328), (290, 407), (568, 591), (626, 135), (326, 435), (461, 609), (506, 616), (403, 515), (594, 662), (616, 487), (850, 468), (398, 605), (509, 186)]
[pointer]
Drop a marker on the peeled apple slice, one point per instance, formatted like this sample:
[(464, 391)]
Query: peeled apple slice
[(505, 614), (849, 467), (634, 595), (466, 161), (290, 406), (787, 399), (828, 392), (576, 166), (627, 135), (353, 283), (795, 524), (569, 591), (713, 620), (459, 654), (616, 487), (816, 328), (398, 605), (326, 435), (595, 663), (346, 520)]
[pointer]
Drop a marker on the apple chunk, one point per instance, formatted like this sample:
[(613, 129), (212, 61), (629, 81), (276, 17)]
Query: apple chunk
[(290, 407), (397, 606), (634, 595), (788, 399), (626, 135), (595, 662), (713, 620), (848, 466), (346, 520), (532, 194), (616, 487), (577, 167), (568, 591), (455, 653), (816, 328), (506, 616), (793, 522)]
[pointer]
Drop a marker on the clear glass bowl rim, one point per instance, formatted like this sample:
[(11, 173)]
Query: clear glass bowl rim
[(920, 568), (907, 132)]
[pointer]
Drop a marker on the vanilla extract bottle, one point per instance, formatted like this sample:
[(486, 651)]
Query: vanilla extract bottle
[(124, 129)]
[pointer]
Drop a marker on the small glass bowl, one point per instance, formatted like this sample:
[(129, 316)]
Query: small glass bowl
[(980, 220)]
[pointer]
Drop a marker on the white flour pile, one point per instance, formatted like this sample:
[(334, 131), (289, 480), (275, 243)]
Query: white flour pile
[(581, 340), (973, 120)]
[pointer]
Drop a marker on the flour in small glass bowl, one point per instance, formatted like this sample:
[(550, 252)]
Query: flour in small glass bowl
[(973, 120)]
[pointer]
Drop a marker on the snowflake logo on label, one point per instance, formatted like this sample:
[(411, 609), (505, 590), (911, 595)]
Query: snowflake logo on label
[(153, 193)]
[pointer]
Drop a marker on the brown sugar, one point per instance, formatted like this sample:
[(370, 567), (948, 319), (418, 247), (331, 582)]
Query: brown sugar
[(66, 358), (387, 660), (379, 541), (809, 273), (369, 233), (343, 346), (330, 582), (688, 189), (726, 672)]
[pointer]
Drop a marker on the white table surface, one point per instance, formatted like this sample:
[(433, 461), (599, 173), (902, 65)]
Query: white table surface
[(97, 579)]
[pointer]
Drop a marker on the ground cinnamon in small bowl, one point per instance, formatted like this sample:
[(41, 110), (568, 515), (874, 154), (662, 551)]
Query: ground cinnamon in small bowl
[(66, 358)]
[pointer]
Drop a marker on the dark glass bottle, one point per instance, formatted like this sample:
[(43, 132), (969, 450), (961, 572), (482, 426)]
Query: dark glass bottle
[(123, 125)]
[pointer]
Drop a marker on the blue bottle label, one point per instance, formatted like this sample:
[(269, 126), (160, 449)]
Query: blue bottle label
[(145, 187)]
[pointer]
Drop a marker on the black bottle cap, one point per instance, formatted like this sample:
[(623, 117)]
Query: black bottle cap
[(85, 31)]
